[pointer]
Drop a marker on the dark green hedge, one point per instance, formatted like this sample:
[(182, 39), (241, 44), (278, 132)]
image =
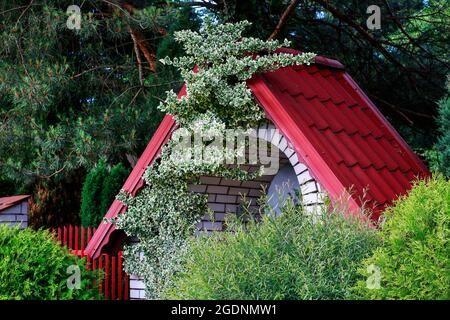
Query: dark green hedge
[(99, 190), (111, 186)]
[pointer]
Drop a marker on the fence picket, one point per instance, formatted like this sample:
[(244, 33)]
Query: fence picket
[(59, 234), (76, 239), (88, 263), (70, 237), (89, 234), (100, 277), (82, 241), (113, 278), (106, 276), (65, 236), (94, 267), (119, 276)]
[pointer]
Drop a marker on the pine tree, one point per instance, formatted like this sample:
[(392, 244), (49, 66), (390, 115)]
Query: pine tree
[(443, 144), (71, 97)]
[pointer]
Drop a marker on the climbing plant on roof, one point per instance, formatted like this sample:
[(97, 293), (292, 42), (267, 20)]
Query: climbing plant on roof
[(163, 215)]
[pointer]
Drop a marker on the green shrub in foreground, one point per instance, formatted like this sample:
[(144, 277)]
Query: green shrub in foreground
[(33, 266), (286, 257), (414, 258)]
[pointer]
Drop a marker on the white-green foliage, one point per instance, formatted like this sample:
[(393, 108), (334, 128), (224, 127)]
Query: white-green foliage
[(164, 213), (225, 60)]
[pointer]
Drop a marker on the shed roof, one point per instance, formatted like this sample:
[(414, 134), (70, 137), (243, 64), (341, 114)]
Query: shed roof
[(333, 126), (339, 133), (7, 202)]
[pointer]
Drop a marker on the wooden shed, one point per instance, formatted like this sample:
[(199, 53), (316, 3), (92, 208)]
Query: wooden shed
[(14, 210)]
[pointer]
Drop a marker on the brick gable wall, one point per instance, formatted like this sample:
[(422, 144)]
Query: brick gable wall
[(226, 196)]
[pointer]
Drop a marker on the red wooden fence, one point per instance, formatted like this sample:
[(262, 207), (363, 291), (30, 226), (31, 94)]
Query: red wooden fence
[(112, 281)]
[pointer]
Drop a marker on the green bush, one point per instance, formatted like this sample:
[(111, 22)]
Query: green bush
[(99, 191), (33, 266), (414, 258), (292, 256)]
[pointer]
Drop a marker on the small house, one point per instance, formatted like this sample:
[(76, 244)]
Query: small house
[(332, 139), (14, 211)]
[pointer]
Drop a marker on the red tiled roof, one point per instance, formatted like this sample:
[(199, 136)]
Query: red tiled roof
[(335, 129), (7, 202), (340, 135)]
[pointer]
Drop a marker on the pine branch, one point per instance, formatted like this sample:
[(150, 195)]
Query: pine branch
[(138, 56), (140, 41), (344, 18), (411, 39), (23, 12), (283, 19), (204, 4)]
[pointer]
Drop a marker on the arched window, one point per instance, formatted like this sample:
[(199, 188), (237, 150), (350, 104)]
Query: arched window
[(227, 196)]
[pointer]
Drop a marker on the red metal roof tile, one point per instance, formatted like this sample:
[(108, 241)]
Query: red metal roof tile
[(7, 202), (308, 114), (321, 84), (363, 119), (349, 119), (369, 146), (338, 74), (359, 152), (316, 84), (390, 178), (283, 78), (353, 138), (377, 189), (311, 69), (338, 117), (322, 111), (337, 142), (351, 101), (402, 179), (325, 72), (393, 153), (383, 153)]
